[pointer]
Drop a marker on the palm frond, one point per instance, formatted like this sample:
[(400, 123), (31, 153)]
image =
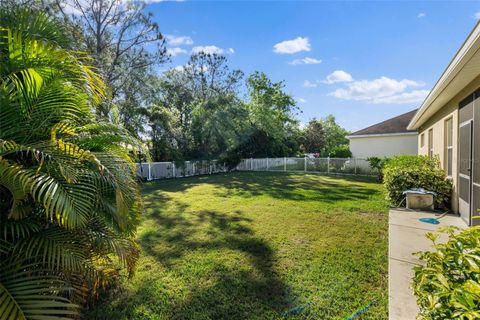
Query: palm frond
[(55, 248), (66, 181), (69, 204), (26, 293)]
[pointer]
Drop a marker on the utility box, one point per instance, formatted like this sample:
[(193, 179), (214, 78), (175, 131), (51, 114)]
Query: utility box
[(420, 199)]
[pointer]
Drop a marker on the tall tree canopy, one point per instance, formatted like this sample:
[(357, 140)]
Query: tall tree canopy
[(125, 45), (198, 113), (314, 137), (272, 129), (201, 102), (335, 135)]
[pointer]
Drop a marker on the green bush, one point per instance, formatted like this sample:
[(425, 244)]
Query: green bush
[(410, 171), (341, 151), (377, 165), (448, 285)]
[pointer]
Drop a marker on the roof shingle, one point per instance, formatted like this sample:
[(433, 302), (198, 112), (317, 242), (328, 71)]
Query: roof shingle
[(397, 124)]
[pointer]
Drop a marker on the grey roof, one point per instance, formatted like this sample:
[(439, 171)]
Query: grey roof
[(397, 124)]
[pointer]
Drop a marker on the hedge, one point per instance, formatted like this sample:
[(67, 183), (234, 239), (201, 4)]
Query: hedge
[(405, 172)]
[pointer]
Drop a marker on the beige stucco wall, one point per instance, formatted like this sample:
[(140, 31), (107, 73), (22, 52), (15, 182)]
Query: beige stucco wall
[(383, 146), (437, 123)]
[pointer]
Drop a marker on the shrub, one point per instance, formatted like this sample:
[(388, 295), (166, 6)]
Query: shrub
[(448, 285), (341, 151), (411, 171), (377, 164)]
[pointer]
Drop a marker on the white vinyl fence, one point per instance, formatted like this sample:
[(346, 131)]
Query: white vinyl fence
[(165, 170), (352, 166)]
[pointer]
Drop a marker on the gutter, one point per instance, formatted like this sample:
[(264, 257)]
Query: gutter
[(382, 135)]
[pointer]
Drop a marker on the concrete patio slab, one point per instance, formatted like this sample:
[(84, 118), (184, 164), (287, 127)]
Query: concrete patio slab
[(406, 236)]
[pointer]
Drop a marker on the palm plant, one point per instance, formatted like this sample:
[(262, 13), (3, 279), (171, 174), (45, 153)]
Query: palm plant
[(68, 199)]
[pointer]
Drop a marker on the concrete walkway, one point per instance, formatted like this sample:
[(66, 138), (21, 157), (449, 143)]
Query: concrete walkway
[(406, 236)]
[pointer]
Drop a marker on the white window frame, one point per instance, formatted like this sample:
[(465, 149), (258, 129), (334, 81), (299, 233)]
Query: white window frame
[(448, 165), (430, 143)]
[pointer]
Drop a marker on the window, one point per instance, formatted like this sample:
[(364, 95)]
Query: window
[(448, 161), (430, 143), (422, 140)]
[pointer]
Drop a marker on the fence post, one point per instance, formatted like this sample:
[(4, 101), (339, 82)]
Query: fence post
[(251, 164), (173, 169), (305, 169), (328, 165), (149, 172), (284, 163), (267, 164), (355, 161)]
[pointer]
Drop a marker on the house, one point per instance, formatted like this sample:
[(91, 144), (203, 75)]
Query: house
[(388, 138), (448, 124)]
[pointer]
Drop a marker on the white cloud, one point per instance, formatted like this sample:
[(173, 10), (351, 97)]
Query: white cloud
[(179, 68), (178, 41), (477, 15), (306, 60), (421, 15), (68, 7), (302, 100), (338, 76), (175, 51), (292, 46), (190, 68), (414, 96), (308, 84), (382, 90), (212, 50)]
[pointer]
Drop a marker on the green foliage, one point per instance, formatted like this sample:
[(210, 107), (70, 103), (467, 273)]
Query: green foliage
[(340, 151), (377, 164), (335, 135), (193, 118), (313, 137), (68, 200), (448, 285), (411, 171), (126, 46), (196, 113)]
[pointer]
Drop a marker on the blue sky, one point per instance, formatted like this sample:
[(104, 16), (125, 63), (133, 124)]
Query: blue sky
[(360, 61)]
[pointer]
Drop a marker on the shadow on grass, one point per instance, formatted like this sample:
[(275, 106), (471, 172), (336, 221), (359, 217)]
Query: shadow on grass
[(212, 232), (211, 264), (279, 185)]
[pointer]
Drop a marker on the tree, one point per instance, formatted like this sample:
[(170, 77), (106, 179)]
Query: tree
[(163, 131), (125, 44), (69, 203), (202, 101), (335, 135), (271, 113), (313, 137), (341, 151)]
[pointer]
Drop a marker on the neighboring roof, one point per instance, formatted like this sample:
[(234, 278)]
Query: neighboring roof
[(463, 69), (396, 125)]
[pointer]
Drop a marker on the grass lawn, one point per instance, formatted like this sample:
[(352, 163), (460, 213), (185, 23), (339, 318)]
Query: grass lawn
[(253, 245)]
